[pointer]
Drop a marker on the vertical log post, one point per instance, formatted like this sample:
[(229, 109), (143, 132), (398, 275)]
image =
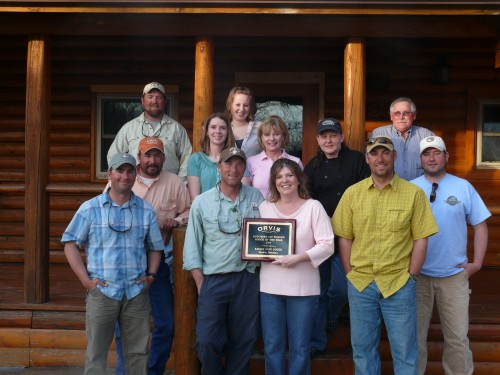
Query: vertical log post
[(203, 86), (36, 242), (186, 294), (354, 93)]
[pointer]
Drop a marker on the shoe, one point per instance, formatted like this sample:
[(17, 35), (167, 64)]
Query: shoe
[(315, 352), (331, 325)]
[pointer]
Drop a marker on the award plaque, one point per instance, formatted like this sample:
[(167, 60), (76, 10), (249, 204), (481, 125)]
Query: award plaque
[(267, 239)]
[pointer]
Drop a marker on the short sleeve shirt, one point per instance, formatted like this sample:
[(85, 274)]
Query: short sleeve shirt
[(382, 224)]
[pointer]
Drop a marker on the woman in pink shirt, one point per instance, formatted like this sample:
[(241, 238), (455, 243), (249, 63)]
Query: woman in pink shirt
[(289, 286), (274, 138)]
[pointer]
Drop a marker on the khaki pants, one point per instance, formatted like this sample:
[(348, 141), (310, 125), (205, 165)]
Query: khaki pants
[(133, 317), (452, 296)]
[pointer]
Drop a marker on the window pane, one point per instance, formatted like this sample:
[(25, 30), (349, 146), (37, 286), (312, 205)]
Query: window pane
[(115, 112), (491, 149), (490, 133)]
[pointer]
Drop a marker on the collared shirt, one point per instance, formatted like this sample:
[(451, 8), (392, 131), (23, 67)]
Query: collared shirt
[(407, 164), (259, 168), (117, 258), (205, 246), (457, 204), (382, 224), (173, 135), (169, 197)]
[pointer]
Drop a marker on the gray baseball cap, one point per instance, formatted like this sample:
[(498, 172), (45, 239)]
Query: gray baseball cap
[(119, 159)]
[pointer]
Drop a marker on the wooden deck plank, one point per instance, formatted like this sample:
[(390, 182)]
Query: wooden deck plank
[(14, 356), (58, 339), (14, 338), (15, 318), (59, 320)]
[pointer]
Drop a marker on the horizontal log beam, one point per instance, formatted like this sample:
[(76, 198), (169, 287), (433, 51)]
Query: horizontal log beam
[(260, 7), (283, 25)]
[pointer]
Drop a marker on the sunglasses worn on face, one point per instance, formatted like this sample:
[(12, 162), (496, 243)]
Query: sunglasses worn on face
[(432, 197)]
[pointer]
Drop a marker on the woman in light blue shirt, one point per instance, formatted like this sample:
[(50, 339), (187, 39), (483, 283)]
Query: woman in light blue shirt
[(202, 166)]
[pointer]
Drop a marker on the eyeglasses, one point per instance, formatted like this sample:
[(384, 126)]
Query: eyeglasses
[(399, 114), (120, 230), (380, 140), (158, 129), (432, 197), (230, 228)]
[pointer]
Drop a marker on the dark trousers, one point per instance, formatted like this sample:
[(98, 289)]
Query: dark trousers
[(227, 322)]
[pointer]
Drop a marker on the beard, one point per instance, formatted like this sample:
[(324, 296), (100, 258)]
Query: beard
[(152, 170)]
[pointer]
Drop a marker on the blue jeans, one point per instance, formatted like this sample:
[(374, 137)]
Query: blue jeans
[(162, 309), (290, 316), (399, 312), (332, 300), (227, 317)]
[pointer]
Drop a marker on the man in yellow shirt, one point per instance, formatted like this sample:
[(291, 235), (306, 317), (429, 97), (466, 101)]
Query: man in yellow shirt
[(383, 223)]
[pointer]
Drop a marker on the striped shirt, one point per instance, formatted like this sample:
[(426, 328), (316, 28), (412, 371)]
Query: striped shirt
[(114, 238), (382, 224)]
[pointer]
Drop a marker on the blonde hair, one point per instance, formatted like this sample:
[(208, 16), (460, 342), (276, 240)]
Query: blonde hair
[(230, 98), (277, 124)]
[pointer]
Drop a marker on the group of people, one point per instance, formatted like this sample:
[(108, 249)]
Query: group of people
[(384, 232)]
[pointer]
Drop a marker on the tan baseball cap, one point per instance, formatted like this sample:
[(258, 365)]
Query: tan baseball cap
[(379, 141), (152, 86)]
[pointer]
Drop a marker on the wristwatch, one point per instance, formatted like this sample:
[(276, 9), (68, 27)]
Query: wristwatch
[(152, 274), (414, 277)]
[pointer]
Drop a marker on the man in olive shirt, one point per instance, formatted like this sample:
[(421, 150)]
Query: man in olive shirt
[(383, 223)]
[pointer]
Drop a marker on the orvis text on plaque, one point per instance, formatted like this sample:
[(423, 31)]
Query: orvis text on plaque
[(267, 239)]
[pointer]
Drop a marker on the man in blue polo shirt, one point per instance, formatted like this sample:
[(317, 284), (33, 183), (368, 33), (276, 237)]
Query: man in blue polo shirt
[(123, 245)]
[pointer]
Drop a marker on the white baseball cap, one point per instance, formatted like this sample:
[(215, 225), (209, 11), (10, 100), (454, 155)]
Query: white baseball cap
[(433, 141), (152, 86)]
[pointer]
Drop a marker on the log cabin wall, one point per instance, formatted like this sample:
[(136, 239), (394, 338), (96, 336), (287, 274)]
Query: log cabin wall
[(395, 67)]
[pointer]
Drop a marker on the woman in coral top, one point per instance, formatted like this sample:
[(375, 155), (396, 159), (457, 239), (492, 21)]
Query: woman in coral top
[(289, 286)]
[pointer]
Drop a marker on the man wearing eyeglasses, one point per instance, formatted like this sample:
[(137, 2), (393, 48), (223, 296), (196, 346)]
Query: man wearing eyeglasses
[(383, 223), (444, 278), (154, 122), (123, 246), (171, 201), (405, 136), (228, 288)]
